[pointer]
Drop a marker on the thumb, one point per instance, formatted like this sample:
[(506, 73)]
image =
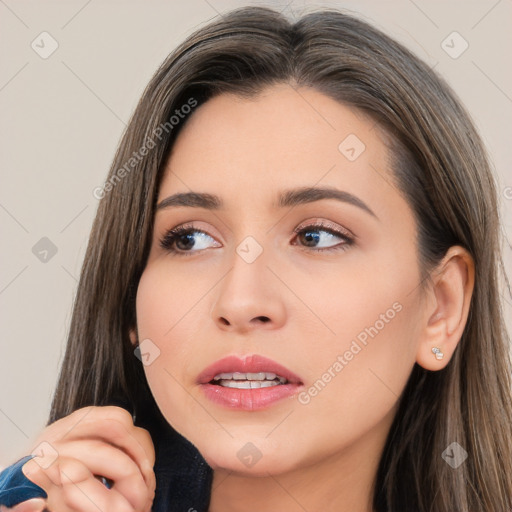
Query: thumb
[(34, 505)]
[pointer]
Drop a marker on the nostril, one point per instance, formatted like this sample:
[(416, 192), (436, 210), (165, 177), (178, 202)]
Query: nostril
[(263, 319)]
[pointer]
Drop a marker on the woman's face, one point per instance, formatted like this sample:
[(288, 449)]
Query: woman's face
[(317, 284)]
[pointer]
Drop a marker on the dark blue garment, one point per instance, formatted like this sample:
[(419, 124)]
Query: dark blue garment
[(183, 478), (15, 487)]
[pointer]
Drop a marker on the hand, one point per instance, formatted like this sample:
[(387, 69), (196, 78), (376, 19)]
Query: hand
[(91, 442)]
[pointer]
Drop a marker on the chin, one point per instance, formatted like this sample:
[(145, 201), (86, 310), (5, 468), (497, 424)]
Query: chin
[(259, 457)]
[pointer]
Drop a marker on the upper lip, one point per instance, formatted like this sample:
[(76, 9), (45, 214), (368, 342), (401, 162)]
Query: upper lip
[(248, 364)]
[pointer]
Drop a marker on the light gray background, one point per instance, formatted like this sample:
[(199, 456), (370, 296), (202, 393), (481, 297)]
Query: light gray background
[(62, 117)]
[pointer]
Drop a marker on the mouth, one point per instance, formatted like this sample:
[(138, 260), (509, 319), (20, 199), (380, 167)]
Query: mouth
[(250, 383)]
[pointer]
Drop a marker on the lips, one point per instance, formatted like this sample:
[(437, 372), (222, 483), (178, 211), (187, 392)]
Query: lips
[(252, 383), (253, 364)]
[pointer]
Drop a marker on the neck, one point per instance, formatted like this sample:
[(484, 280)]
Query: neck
[(341, 482)]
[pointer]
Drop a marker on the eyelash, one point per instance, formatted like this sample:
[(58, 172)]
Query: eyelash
[(168, 240)]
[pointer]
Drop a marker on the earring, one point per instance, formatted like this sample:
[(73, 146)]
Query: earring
[(438, 353)]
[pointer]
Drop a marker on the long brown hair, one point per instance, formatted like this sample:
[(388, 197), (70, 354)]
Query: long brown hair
[(439, 164)]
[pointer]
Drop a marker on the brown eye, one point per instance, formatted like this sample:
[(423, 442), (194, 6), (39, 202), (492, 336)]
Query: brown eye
[(182, 239), (315, 234)]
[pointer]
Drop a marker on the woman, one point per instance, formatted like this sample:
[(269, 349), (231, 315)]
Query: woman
[(292, 285)]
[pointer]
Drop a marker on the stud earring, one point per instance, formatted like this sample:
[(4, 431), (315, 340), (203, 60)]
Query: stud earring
[(438, 353)]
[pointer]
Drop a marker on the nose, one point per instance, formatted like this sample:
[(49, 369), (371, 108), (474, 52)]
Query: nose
[(249, 297)]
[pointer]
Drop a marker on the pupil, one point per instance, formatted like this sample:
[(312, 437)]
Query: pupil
[(310, 237), (190, 239)]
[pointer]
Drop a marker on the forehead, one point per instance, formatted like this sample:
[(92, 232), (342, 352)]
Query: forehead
[(249, 148)]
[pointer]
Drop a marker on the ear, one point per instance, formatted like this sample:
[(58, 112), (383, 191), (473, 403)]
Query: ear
[(133, 337), (447, 308)]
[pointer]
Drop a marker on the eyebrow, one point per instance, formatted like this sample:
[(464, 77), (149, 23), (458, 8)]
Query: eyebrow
[(287, 198)]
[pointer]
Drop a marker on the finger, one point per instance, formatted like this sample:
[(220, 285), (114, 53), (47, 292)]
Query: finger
[(81, 492), (142, 435), (100, 413), (89, 422), (45, 477), (111, 462), (34, 505), (130, 440), (66, 427)]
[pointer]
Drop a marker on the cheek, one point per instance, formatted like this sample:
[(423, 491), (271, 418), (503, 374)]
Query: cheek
[(361, 346), (370, 302), (355, 382), (166, 297), (169, 301)]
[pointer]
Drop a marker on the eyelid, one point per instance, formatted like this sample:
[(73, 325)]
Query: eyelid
[(321, 223), (192, 226)]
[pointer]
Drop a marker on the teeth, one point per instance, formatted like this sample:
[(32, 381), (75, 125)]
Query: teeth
[(249, 380), (256, 376), (248, 384)]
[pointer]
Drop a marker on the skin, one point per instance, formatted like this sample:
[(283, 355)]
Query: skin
[(320, 455), (92, 441)]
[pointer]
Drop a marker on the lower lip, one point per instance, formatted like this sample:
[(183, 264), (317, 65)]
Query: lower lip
[(248, 399)]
